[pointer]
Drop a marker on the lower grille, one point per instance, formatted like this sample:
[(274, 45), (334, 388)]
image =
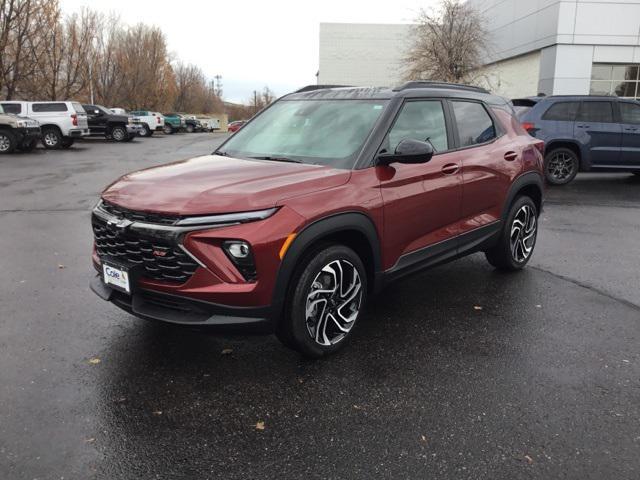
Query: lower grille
[(160, 260)]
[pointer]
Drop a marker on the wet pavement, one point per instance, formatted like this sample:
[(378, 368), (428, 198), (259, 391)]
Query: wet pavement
[(459, 372)]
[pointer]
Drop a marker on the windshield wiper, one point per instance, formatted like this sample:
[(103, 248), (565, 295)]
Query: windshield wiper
[(221, 153), (279, 159)]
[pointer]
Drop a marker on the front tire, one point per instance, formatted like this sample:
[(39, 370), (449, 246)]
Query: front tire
[(561, 166), (518, 237), (51, 138), (327, 295), (119, 134), (8, 141), (67, 142), (191, 128), (146, 131)]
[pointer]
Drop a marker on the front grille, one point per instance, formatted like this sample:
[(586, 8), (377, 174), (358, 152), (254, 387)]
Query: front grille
[(134, 216), (159, 259)]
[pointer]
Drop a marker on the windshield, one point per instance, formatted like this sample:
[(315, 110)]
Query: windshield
[(324, 132)]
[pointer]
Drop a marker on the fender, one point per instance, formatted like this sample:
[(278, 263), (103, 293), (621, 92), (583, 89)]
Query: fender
[(528, 178), (318, 230)]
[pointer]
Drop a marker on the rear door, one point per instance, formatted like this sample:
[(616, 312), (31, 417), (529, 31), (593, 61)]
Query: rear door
[(630, 120), (597, 130), (97, 119)]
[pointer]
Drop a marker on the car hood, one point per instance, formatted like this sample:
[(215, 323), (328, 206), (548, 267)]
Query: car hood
[(215, 184), (119, 118)]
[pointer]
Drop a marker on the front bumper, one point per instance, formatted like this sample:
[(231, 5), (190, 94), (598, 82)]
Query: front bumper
[(152, 305), (134, 129), (27, 134)]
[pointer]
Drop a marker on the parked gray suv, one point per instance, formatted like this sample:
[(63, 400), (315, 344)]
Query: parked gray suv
[(583, 133)]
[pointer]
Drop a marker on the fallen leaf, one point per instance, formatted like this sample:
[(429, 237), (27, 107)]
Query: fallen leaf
[(357, 407), (227, 351), (60, 266), (423, 439), (528, 459), (90, 440), (538, 306), (94, 361), (157, 412), (260, 426), (477, 307)]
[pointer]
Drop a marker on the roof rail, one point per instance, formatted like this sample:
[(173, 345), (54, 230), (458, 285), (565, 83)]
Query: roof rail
[(310, 88), (432, 84)]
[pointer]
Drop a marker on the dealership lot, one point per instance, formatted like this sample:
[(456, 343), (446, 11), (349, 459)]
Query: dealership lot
[(459, 372)]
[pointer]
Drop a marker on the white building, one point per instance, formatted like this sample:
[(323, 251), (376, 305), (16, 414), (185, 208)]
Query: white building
[(549, 46), (563, 47), (362, 54)]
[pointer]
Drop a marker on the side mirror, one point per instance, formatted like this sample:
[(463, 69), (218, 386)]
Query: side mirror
[(408, 151)]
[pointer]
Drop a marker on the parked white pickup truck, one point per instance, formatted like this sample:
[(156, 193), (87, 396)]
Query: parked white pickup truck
[(61, 122), (151, 121)]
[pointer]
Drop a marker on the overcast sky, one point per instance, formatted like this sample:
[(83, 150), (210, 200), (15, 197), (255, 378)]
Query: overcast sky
[(252, 43)]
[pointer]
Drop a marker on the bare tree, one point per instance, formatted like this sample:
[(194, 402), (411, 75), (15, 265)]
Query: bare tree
[(449, 44), (19, 37)]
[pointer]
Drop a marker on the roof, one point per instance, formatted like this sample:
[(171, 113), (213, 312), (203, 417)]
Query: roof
[(409, 89)]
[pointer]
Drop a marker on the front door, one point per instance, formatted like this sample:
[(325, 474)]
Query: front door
[(422, 202), (630, 117), (595, 128)]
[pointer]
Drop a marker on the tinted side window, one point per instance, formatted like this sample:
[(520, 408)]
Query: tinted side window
[(601, 112), (420, 120), (630, 113), (11, 108), (49, 107), (474, 123), (562, 111)]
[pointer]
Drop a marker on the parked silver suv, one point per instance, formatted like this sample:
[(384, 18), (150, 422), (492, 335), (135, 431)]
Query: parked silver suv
[(17, 132)]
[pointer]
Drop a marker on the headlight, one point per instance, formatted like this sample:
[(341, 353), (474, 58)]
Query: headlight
[(227, 218)]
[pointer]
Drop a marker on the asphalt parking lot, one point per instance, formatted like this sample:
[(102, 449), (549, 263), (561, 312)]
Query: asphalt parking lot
[(459, 372)]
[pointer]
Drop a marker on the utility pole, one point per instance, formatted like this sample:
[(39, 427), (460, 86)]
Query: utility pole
[(218, 89)]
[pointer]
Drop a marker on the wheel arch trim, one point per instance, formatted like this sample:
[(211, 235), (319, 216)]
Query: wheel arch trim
[(317, 231), (527, 179)]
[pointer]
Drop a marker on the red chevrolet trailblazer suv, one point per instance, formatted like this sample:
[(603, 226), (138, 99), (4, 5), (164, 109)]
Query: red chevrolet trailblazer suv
[(317, 202)]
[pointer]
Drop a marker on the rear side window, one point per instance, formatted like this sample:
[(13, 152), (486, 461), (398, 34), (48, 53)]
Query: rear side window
[(562, 111), (420, 120), (599, 112), (49, 107), (12, 108), (630, 113), (475, 126)]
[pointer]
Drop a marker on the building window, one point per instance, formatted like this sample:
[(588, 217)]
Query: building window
[(615, 79)]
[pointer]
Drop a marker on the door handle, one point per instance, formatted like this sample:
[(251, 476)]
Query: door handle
[(510, 156), (450, 168), (630, 129), (584, 126)]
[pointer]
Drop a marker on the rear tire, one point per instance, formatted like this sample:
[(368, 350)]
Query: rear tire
[(8, 141), (51, 138), (518, 237), (561, 166), (168, 129), (327, 294)]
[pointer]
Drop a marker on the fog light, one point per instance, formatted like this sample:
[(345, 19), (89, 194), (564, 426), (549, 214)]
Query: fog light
[(238, 249), (240, 254)]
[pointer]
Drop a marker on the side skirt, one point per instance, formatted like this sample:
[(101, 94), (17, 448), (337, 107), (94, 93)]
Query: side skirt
[(445, 251)]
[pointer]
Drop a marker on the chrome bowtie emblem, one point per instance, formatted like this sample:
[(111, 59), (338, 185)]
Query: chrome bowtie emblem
[(119, 223)]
